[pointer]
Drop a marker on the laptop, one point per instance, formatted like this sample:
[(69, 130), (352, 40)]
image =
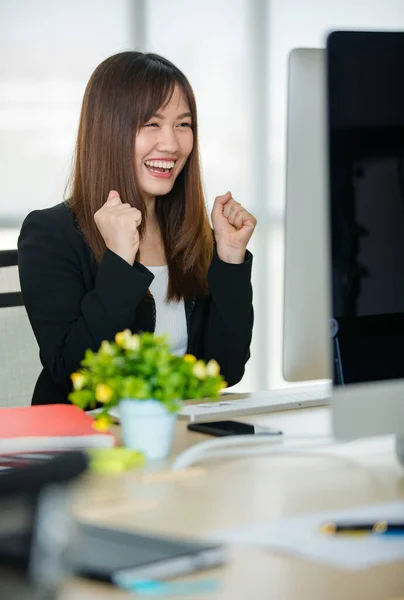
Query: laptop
[(119, 556)]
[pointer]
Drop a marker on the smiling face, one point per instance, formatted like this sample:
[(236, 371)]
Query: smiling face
[(162, 147)]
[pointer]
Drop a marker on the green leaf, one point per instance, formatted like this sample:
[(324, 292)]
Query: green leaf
[(83, 398)]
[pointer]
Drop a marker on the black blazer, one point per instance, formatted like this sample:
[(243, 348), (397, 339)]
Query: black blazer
[(74, 304)]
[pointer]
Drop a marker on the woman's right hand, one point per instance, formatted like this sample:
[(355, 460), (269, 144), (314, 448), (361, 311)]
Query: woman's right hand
[(118, 224)]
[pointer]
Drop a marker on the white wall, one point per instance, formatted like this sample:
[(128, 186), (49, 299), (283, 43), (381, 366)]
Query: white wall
[(48, 50)]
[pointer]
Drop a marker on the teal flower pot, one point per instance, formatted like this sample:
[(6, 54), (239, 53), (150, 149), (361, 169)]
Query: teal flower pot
[(147, 426)]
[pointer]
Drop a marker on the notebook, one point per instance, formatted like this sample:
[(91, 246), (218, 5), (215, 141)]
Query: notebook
[(49, 427)]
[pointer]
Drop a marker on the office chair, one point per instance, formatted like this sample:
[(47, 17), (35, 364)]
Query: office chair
[(19, 352)]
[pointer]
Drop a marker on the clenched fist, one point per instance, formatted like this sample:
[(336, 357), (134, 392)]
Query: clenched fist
[(233, 226), (118, 224)]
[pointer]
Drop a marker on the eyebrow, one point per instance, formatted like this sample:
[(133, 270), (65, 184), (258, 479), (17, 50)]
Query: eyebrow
[(181, 116)]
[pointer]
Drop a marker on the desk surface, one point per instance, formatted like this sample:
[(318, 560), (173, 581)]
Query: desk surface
[(241, 491)]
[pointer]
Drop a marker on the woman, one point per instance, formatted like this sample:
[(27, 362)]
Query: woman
[(132, 247)]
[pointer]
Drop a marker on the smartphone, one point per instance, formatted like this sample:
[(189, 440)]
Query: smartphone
[(220, 428)]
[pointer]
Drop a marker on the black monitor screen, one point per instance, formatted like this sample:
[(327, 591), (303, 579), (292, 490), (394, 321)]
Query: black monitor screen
[(366, 160)]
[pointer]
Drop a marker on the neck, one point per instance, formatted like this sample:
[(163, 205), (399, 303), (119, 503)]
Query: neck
[(150, 215), (150, 202), (152, 226)]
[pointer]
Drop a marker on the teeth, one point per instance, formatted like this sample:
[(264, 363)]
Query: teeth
[(162, 164)]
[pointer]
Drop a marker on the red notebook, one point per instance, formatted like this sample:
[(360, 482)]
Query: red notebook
[(49, 427)]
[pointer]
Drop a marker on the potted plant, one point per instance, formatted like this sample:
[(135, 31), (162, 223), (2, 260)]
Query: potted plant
[(138, 372)]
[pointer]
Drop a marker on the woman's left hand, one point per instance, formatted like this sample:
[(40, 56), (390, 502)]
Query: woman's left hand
[(233, 226)]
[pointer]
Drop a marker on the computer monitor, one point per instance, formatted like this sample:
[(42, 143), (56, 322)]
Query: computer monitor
[(315, 302), (366, 167), (307, 350)]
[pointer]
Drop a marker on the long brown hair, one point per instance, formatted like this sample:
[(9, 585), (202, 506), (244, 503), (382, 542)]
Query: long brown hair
[(123, 93)]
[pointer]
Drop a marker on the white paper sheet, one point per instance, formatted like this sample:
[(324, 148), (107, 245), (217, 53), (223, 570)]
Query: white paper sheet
[(301, 535)]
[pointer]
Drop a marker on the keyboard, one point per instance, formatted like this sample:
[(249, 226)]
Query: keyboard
[(257, 403), (251, 404)]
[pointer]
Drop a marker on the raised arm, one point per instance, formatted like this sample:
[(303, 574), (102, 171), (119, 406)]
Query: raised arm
[(67, 316), (230, 319)]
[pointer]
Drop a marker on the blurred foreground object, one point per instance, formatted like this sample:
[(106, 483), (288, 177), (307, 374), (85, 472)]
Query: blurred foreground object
[(36, 527)]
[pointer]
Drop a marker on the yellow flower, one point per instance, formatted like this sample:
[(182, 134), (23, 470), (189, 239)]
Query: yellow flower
[(78, 380), (127, 341), (189, 358), (106, 348), (103, 393), (102, 424), (132, 342), (223, 385), (199, 369), (122, 336), (212, 368)]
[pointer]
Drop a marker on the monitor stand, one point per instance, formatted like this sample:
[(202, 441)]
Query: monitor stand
[(338, 376)]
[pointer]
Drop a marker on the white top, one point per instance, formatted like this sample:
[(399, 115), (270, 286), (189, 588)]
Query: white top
[(170, 317)]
